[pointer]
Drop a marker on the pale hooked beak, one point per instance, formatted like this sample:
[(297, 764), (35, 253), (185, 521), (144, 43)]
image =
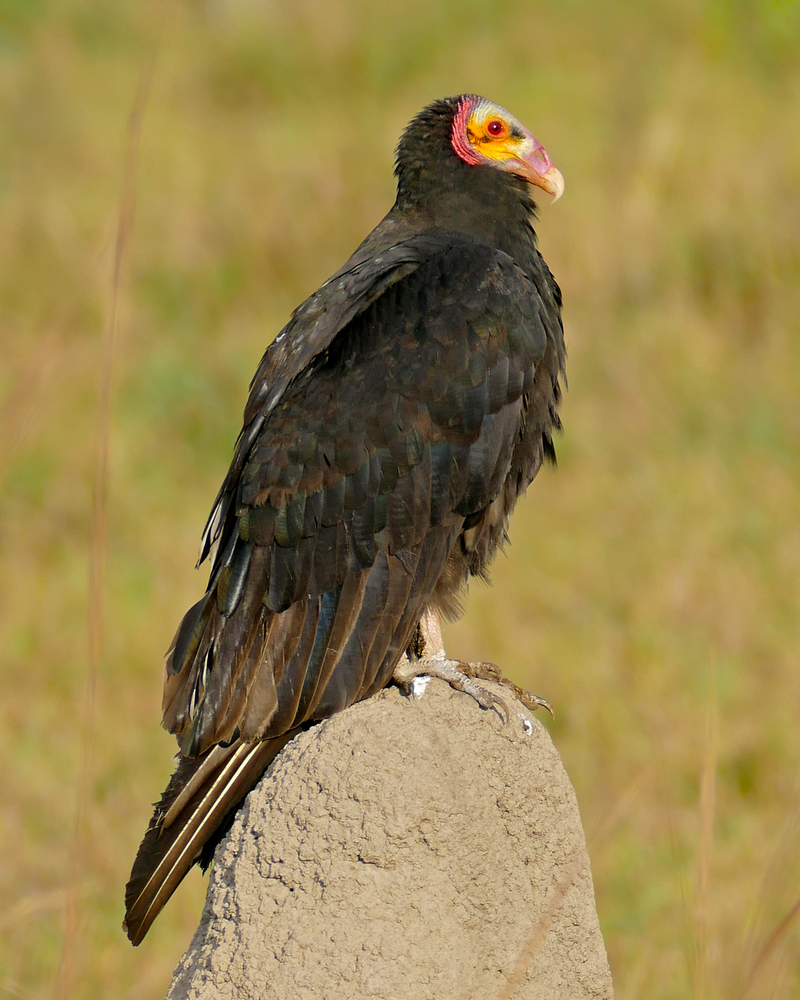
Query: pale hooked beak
[(552, 181), (537, 168)]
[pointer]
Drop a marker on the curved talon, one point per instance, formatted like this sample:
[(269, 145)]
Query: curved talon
[(485, 670), (533, 701), (488, 700)]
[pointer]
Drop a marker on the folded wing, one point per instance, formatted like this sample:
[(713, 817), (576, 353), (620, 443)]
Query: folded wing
[(353, 484)]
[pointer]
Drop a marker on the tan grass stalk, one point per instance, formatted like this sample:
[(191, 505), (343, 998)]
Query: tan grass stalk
[(32, 905), (609, 823), (708, 795), (25, 400), (541, 929), (12, 989), (679, 859), (768, 948), (606, 827), (97, 555)]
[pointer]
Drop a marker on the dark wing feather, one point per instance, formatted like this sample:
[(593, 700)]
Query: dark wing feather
[(377, 442)]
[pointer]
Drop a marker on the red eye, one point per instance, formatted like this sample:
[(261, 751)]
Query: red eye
[(495, 127)]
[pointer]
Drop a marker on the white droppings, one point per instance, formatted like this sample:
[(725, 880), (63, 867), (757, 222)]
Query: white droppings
[(419, 686), (527, 725)]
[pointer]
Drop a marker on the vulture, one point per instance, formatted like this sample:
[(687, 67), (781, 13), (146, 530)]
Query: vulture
[(390, 429)]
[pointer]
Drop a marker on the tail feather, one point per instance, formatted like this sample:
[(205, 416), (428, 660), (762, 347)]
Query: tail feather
[(200, 796)]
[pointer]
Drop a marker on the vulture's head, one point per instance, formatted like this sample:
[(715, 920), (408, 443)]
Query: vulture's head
[(467, 148)]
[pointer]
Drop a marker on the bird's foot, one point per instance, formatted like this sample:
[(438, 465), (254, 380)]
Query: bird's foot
[(426, 658), (412, 675)]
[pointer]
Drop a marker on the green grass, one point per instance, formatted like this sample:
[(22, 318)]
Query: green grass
[(650, 591)]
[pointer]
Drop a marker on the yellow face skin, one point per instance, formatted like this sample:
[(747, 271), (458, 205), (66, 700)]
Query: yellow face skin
[(495, 135), (502, 141)]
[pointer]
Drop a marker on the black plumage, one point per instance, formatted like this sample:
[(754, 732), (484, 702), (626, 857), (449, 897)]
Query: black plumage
[(389, 431)]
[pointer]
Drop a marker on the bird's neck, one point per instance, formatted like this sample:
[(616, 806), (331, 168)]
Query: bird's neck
[(497, 214)]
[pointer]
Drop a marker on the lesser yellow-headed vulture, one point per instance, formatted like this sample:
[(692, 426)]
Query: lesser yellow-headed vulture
[(391, 427)]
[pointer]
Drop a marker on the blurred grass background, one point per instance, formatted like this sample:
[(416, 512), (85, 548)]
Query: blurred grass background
[(651, 588)]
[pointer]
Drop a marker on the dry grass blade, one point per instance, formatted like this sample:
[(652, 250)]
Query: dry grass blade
[(612, 819), (31, 906), (65, 978), (768, 948), (708, 795), (19, 413), (619, 810), (540, 931), (13, 989)]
